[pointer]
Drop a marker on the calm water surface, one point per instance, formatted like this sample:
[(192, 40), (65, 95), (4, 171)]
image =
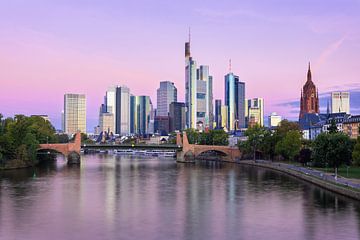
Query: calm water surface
[(113, 197)]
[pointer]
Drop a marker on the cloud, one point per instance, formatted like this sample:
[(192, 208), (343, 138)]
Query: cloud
[(330, 50)]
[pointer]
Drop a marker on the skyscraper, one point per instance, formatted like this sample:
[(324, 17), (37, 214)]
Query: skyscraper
[(141, 115), (254, 111), (340, 102), (106, 122), (111, 102), (218, 113), (177, 116), (166, 94), (235, 100), (122, 110), (309, 101), (74, 113), (198, 93)]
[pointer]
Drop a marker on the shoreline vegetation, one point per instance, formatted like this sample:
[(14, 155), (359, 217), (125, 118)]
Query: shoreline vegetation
[(20, 138)]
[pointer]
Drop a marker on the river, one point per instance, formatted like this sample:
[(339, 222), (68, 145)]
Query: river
[(128, 197)]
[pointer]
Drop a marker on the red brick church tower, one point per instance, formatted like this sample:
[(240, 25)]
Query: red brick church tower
[(309, 102)]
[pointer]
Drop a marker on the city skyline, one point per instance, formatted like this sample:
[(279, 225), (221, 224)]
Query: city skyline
[(64, 60)]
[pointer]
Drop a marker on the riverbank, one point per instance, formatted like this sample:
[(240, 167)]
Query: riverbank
[(340, 186), (16, 164)]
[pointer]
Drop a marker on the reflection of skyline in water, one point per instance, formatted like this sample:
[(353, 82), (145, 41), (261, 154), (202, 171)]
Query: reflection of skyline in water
[(110, 197)]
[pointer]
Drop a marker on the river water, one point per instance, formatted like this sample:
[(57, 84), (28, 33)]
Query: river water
[(123, 197)]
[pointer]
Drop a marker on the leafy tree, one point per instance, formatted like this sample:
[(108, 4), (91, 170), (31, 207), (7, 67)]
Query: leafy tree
[(290, 145), (219, 137), (255, 136), (284, 127), (333, 128), (268, 144), (356, 153), (62, 138), (192, 135), (304, 156), (332, 149)]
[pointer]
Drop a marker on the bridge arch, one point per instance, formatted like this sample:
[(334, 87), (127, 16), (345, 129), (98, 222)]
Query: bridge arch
[(70, 150)]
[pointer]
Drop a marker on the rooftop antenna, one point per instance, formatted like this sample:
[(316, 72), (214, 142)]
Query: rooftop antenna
[(189, 34), (230, 65)]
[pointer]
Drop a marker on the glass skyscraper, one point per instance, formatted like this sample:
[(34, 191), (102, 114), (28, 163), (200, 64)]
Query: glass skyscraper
[(74, 113), (235, 100), (122, 111), (166, 94), (141, 115)]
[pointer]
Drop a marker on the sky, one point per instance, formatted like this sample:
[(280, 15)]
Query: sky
[(48, 48)]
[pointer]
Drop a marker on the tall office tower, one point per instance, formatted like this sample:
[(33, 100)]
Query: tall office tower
[(106, 122), (177, 116), (254, 111), (218, 113), (142, 115), (166, 94), (198, 94), (309, 101), (235, 100), (74, 113), (190, 88), (122, 111), (111, 102), (274, 120), (340, 102), (224, 116)]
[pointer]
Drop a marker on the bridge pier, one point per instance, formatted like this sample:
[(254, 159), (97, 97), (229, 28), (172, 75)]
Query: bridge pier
[(73, 158)]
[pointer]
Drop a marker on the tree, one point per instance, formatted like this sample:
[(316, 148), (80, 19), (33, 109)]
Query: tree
[(255, 136), (284, 127), (333, 128), (219, 137), (304, 156), (290, 145), (332, 149), (192, 135), (356, 153), (268, 144)]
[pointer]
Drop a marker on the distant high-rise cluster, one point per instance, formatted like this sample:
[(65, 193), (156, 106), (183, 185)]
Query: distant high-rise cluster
[(340, 102)]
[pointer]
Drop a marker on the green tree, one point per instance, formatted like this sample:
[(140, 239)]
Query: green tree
[(333, 128), (218, 137), (356, 153), (290, 145), (268, 144), (284, 127), (255, 137), (192, 135), (304, 156), (332, 150)]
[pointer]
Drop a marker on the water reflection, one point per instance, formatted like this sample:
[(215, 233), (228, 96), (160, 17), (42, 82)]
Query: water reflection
[(112, 197)]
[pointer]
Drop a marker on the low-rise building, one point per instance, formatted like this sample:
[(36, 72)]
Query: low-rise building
[(351, 126)]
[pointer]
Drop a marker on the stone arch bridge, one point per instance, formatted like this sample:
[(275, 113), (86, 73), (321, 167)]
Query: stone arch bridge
[(192, 151), (70, 150)]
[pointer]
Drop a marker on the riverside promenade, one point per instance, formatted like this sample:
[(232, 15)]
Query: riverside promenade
[(341, 185)]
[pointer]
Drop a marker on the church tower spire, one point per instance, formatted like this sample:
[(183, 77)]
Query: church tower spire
[(309, 78)]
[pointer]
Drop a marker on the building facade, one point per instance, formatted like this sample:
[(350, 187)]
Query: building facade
[(162, 125), (309, 100), (340, 102), (74, 113), (166, 94), (254, 111), (274, 120), (351, 126), (177, 116), (141, 115), (122, 111), (235, 100), (218, 114), (106, 122)]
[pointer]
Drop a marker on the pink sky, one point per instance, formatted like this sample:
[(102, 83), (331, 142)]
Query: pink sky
[(48, 49)]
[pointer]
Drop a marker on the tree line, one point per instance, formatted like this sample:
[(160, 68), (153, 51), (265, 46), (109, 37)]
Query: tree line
[(20, 138)]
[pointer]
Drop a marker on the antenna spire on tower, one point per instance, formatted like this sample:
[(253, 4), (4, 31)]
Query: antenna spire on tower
[(189, 34), (230, 65)]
